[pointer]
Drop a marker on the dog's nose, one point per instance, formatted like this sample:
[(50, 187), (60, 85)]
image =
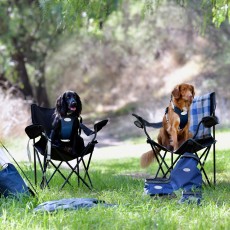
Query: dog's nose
[(74, 103)]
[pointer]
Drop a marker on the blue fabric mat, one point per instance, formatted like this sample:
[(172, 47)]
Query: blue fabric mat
[(70, 204)]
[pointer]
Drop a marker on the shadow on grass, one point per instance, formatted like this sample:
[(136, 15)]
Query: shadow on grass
[(126, 174)]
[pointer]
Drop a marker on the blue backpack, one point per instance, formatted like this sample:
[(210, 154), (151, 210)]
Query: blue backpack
[(185, 176), (11, 182)]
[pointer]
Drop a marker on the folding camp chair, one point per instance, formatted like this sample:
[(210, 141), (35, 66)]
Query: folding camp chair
[(56, 156), (202, 125)]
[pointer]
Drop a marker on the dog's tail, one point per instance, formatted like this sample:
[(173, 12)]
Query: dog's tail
[(147, 158)]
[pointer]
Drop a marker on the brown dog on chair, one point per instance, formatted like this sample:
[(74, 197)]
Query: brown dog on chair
[(176, 122)]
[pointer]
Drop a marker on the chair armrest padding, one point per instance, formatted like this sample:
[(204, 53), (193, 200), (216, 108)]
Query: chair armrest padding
[(86, 130), (34, 131), (98, 126), (210, 121), (155, 125)]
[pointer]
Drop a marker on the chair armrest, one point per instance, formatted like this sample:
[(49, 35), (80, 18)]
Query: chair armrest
[(210, 121), (34, 131), (99, 125), (142, 122), (86, 130)]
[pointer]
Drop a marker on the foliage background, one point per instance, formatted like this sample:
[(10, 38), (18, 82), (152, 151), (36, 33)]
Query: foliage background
[(120, 56)]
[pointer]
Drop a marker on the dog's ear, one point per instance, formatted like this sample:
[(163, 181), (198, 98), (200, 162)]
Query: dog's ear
[(79, 104), (176, 92), (193, 90), (61, 106)]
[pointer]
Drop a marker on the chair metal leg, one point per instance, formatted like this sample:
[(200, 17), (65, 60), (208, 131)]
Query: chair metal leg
[(214, 153), (214, 164), (87, 168), (202, 160), (170, 168), (44, 182), (75, 170), (160, 167), (35, 164), (158, 158), (78, 175)]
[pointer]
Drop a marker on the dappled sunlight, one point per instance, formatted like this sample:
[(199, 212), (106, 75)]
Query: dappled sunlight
[(14, 117), (185, 73), (222, 140)]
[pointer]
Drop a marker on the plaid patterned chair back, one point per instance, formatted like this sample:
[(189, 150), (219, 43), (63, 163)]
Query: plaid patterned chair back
[(202, 106)]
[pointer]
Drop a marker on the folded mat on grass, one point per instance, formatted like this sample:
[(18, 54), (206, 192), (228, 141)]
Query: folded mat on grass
[(71, 204)]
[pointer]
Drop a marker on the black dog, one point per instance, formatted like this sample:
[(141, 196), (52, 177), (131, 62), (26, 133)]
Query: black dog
[(66, 127)]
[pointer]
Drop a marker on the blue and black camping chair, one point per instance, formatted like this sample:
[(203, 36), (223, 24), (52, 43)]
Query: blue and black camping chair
[(202, 125), (53, 155)]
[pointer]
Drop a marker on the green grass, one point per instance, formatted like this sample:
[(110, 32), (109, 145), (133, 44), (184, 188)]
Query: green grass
[(114, 183)]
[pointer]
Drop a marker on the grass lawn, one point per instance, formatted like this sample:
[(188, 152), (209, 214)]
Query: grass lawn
[(121, 182)]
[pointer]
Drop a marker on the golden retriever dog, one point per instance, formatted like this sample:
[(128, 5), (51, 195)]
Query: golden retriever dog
[(175, 129)]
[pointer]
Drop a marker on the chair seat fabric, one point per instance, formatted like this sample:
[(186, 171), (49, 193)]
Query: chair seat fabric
[(194, 145), (58, 153)]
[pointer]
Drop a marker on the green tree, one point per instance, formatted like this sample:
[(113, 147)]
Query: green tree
[(30, 30), (70, 14), (25, 41)]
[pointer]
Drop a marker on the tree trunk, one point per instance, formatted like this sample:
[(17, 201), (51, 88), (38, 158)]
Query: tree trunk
[(41, 93), (20, 68)]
